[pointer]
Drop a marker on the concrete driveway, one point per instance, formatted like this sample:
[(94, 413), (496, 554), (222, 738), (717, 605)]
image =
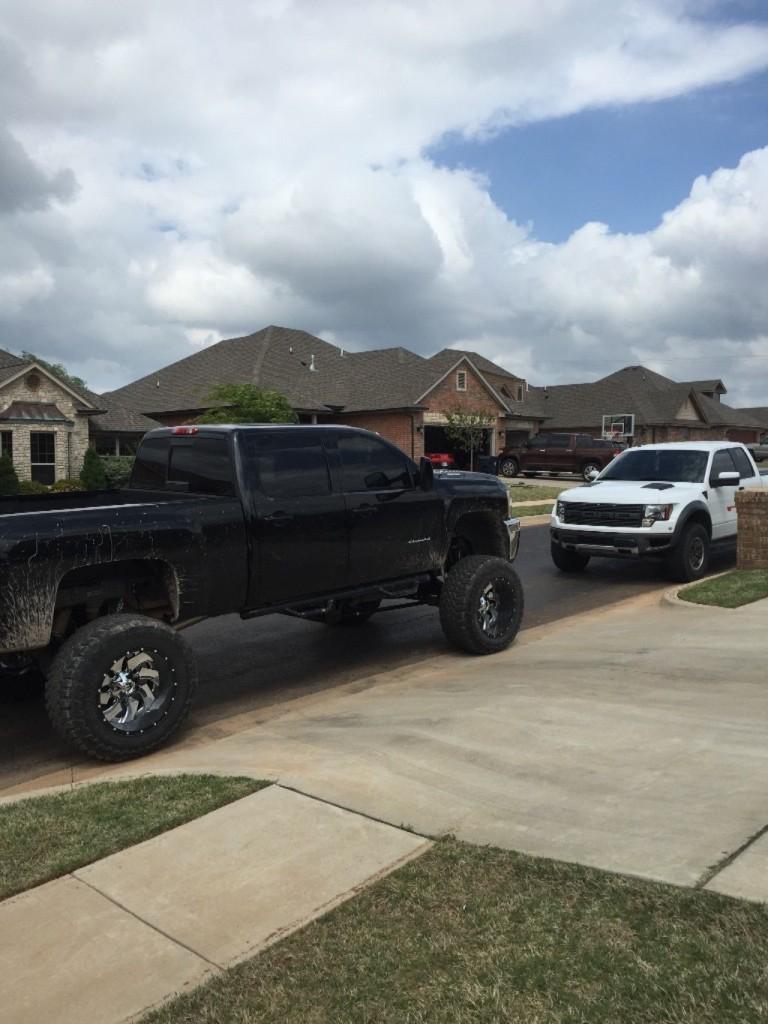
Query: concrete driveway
[(636, 741)]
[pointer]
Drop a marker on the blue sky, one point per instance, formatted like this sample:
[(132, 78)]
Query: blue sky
[(624, 166)]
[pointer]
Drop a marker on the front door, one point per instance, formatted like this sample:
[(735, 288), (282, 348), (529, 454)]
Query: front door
[(395, 527), (300, 523)]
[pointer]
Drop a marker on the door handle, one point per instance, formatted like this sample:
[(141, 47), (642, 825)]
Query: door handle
[(365, 510), (279, 518)]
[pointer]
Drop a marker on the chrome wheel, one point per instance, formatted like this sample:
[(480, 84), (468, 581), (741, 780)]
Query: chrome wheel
[(135, 692), (496, 608)]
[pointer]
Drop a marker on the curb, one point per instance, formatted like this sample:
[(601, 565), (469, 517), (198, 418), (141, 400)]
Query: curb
[(672, 597), (534, 520)]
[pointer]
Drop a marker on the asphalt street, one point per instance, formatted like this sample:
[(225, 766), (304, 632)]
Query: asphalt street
[(267, 662)]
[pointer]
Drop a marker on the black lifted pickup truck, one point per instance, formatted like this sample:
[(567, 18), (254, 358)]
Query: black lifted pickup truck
[(320, 522)]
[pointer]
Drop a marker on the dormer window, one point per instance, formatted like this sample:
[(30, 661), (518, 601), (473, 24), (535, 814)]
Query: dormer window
[(461, 380)]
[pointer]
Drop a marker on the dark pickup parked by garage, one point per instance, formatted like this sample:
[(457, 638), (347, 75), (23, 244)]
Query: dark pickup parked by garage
[(558, 453), (320, 522)]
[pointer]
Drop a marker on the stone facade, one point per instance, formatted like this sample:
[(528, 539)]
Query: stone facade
[(71, 441), (752, 511)]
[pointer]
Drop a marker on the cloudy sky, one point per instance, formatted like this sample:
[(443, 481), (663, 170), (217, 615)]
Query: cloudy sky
[(567, 186)]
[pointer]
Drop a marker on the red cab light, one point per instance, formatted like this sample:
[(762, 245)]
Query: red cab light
[(186, 430)]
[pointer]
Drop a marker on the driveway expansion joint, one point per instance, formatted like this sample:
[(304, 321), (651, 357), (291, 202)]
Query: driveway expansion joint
[(354, 810), (142, 920), (715, 869)]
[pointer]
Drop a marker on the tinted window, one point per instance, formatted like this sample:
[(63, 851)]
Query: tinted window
[(722, 462), (658, 464), (151, 463), (286, 466), (371, 465), (204, 464), (743, 464), (558, 441)]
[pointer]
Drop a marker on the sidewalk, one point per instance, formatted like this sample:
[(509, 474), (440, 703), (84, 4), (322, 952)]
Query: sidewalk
[(635, 740), (113, 939)]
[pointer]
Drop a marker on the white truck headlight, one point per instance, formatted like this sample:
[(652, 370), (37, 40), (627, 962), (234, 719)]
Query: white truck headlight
[(656, 514), (560, 509)]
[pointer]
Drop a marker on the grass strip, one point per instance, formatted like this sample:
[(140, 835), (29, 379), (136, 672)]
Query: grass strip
[(742, 586), (532, 510), (477, 935), (531, 492), (47, 836)]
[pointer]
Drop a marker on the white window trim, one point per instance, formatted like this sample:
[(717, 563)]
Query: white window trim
[(461, 375)]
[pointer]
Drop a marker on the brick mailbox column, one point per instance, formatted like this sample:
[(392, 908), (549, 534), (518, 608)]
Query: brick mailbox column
[(752, 510)]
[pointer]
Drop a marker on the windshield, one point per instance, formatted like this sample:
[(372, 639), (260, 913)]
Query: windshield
[(658, 464)]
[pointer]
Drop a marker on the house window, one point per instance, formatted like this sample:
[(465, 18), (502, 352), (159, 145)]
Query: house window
[(461, 380), (6, 443), (105, 444), (43, 456)]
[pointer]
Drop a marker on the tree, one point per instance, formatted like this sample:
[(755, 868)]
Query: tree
[(466, 427), (92, 474), (57, 370), (245, 403), (9, 482)]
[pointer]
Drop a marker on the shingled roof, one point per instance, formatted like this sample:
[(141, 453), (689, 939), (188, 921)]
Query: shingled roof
[(654, 400), (759, 413), (314, 375)]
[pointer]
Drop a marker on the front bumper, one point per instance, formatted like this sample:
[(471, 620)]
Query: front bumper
[(611, 544), (513, 532)]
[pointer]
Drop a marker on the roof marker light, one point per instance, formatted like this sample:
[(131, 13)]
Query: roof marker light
[(186, 430)]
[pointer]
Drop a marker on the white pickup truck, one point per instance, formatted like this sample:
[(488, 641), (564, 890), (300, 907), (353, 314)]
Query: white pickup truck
[(670, 501)]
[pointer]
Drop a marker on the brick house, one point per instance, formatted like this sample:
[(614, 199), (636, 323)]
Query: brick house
[(401, 395), (664, 409), (46, 425)]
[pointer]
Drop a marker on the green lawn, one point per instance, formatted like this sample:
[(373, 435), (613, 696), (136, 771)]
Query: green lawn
[(531, 492), (742, 586), (532, 510), (476, 935), (47, 836)]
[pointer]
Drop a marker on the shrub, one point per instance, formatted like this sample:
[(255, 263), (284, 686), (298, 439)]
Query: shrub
[(92, 474), (9, 482), (66, 485), (32, 487), (117, 469)]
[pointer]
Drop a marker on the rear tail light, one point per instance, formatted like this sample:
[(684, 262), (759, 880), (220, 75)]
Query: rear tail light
[(186, 430)]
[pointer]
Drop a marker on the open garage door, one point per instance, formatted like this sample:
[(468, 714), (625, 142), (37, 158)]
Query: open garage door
[(436, 442)]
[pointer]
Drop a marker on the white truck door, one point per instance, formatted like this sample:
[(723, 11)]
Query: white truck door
[(748, 471), (722, 500)]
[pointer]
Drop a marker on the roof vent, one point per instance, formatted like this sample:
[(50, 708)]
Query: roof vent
[(312, 367), (157, 383)]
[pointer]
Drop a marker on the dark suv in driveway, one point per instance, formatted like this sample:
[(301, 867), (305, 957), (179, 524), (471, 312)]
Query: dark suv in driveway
[(558, 453)]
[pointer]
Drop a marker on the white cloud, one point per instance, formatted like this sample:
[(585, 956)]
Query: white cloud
[(174, 173)]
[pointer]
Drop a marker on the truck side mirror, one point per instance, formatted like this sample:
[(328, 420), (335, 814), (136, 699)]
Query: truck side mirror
[(727, 479), (426, 474), (592, 475)]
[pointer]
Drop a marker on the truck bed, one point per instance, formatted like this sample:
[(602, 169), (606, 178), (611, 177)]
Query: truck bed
[(81, 501)]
